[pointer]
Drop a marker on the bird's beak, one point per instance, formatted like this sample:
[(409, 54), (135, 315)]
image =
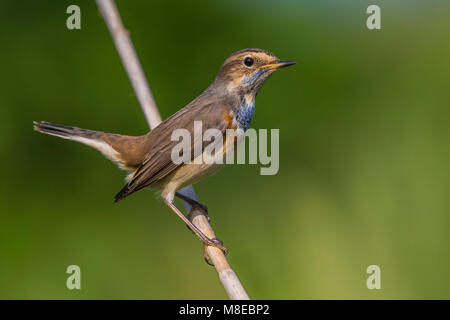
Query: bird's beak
[(278, 65)]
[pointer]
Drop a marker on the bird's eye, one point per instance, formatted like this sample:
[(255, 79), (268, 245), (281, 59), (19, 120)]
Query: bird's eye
[(248, 61)]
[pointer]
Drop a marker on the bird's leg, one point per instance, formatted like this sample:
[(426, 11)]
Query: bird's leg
[(214, 242), (195, 205)]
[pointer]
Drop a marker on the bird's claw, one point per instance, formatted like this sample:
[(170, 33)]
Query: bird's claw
[(198, 207), (214, 242)]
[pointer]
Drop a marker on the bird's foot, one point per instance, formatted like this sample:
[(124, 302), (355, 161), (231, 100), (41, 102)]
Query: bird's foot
[(214, 242), (198, 207)]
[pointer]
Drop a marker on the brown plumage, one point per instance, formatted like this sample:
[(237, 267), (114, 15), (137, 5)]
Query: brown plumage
[(148, 157)]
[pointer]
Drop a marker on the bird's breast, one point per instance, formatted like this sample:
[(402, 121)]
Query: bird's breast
[(244, 114)]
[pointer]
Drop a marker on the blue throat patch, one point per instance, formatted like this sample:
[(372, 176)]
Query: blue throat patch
[(253, 78), (245, 115)]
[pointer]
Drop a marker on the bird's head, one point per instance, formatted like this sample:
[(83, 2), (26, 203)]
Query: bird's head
[(246, 70)]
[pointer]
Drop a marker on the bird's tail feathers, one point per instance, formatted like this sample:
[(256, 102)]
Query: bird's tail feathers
[(128, 158), (94, 139), (66, 132)]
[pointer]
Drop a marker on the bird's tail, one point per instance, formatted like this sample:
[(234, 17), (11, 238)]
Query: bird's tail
[(65, 132), (127, 152), (103, 142)]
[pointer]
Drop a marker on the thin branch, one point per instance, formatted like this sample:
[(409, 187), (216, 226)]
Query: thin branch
[(127, 53)]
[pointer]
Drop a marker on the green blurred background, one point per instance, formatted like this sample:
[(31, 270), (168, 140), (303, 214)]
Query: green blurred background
[(364, 152)]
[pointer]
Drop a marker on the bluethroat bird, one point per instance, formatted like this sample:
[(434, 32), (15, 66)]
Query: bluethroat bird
[(228, 103)]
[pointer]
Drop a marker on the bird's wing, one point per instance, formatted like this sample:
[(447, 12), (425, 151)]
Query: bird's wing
[(158, 162)]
